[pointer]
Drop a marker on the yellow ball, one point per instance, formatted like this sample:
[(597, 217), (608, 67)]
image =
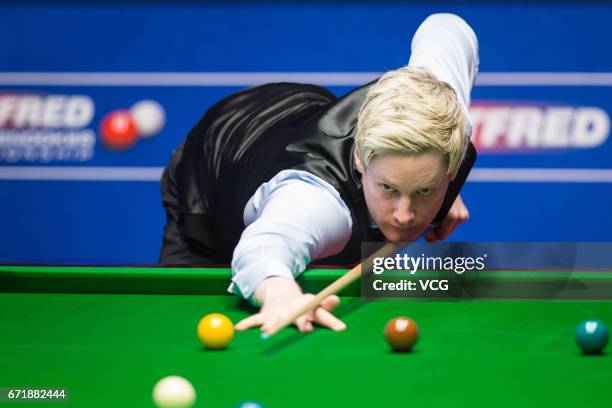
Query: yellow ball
[(215, 331)]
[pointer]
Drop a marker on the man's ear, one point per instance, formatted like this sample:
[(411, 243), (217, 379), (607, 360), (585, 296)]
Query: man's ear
[(454, 175), (358, 162)]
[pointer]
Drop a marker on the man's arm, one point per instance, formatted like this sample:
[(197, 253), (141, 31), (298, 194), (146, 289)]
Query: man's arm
[(446, 46), (293, 219)]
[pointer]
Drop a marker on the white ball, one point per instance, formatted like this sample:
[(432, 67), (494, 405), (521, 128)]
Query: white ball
[(173, 392), (150, 117)]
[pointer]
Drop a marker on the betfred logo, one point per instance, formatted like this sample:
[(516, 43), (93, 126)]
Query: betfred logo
[(37, 128), (52, 111), (508, 127), (46, 128)]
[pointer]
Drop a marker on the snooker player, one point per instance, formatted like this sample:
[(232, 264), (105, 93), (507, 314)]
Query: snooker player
[(278, 176)]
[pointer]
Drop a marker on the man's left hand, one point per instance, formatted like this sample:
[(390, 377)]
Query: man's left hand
[(457, 214)]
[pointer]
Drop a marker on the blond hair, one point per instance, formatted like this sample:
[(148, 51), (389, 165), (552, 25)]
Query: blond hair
[(408, 111)]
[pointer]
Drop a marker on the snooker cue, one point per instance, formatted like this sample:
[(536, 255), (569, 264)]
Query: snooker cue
[(332, 289)]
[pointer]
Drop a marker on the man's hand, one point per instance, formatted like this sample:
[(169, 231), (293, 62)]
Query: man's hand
[(457, 214), (280, 296)]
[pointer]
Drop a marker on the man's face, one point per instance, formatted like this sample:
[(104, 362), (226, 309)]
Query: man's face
[(404, 192)]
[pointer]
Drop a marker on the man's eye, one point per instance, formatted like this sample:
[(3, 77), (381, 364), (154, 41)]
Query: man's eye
[(387, 188), (424, 191)]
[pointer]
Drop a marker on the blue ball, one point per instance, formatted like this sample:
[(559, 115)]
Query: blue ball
[(592, 336), (250, 404)]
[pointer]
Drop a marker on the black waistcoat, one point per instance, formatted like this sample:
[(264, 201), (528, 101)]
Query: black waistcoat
[(246, 139)]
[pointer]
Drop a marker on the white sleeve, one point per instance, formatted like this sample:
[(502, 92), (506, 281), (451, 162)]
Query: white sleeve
[(290, 221), (446, 46)]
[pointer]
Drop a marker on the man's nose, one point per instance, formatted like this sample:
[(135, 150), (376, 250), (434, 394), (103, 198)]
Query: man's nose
[(404, 211)]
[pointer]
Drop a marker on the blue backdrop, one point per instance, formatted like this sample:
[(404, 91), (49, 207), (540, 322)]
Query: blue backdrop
[(58, 208)]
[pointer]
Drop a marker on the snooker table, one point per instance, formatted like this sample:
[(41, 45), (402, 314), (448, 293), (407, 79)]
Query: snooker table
[(107, 334)]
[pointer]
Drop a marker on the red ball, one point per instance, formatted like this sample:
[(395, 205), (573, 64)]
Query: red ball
[(401, 333), (118, 130)]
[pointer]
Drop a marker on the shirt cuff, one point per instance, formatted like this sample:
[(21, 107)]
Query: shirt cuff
[(246, 280)]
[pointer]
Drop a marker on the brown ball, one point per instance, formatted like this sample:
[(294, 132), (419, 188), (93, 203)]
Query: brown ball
[(401, 333)]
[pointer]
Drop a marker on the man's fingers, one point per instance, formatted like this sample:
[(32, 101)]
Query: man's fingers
[(330, 303), (461, 215), (304, 323), (326, 319), (269, 321), (249, 322), (446, 227)]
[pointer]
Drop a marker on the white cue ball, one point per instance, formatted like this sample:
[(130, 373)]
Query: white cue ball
[(149, 116), (173, 392)]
